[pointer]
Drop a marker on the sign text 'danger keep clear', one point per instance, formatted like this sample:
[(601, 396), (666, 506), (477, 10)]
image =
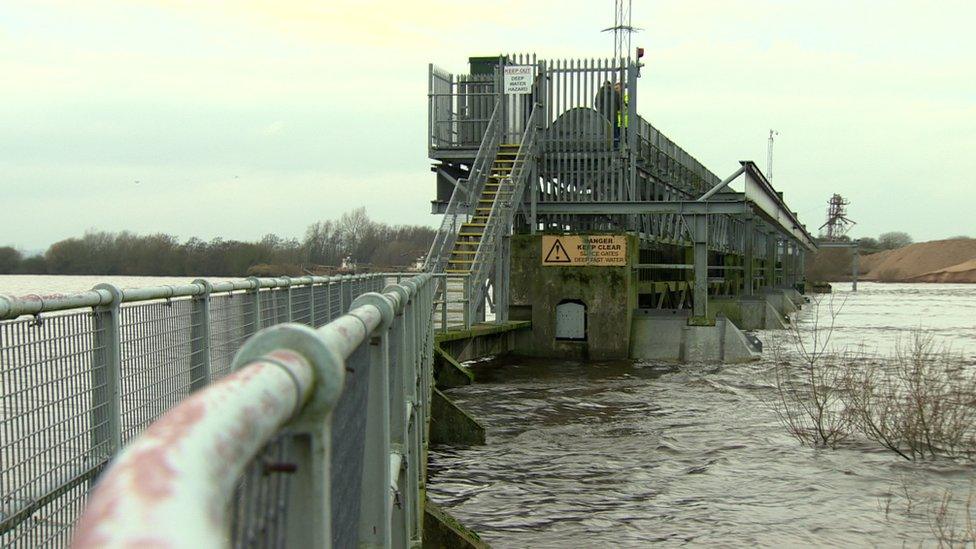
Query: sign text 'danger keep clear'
[(584, 250)]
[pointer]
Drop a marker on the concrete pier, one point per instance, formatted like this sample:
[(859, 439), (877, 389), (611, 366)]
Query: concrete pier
[(609, 312)]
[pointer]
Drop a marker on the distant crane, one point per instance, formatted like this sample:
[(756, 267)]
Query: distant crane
[(837, 221)]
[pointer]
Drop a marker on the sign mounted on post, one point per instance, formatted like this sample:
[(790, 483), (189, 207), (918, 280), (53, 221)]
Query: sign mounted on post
[(584, 251), (518, 78)]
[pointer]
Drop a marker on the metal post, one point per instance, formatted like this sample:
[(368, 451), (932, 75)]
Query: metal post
[(504, 279), (855, 266), (802, 269), (787, 263), (200, 370), (252, 312), (412, 488), (632, 121), (444, 301), (700, 235), (399, 416), (770, 266), (311, 302), (309, 517), (285, 316), (748, 259), (376, 514), (106, 376), (466, 297)]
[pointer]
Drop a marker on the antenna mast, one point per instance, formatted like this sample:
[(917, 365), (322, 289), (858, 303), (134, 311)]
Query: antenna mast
[(769, 155), (622, 29)]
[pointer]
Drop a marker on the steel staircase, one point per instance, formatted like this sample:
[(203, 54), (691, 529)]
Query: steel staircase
[(480, 213), (469, 237)]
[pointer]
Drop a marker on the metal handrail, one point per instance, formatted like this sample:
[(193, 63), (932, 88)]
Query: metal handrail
[(15, 306), (172, 484), (502, 211), (437, 257)]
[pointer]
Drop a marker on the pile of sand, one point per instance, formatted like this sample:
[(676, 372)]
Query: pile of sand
[(936, 261), (963, 272)]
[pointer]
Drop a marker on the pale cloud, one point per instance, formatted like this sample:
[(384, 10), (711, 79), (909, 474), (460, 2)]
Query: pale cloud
[(246, 117)]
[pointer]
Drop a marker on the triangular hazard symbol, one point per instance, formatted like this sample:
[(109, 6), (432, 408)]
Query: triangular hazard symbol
[(557, 254)]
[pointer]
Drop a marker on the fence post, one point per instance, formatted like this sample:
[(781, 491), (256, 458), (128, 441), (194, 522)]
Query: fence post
[(467, 301), (399, 412), (411, 489), (311, 303), (252, 312), (444, 301), (285, 315), (106, 376), (376, 514), (309, 517), (200, 370)]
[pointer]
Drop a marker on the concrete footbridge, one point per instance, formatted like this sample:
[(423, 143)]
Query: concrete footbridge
[(299, 411)]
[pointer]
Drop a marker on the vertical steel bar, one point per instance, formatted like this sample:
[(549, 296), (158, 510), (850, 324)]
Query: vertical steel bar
[(748, 261), (200, 366), (106, 372), (376, 512), (699, 224), (252, 309)]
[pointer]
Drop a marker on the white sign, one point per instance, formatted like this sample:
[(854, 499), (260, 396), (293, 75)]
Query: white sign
[(518, 78)]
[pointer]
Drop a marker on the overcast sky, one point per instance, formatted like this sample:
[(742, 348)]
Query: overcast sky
[(240, 118)]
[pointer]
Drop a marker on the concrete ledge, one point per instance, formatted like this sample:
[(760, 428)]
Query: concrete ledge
[(442, 531), (482, 340), (478, 330), (756, 313), (451, 425), (781, 301), (798, 299), (449, 373), (666, 335)]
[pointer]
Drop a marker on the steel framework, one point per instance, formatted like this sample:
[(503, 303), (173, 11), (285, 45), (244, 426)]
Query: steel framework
[(596, 165), (837, 223)]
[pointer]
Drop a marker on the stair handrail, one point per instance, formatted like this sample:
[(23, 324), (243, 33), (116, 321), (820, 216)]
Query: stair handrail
[(464, 198), (502, 211)]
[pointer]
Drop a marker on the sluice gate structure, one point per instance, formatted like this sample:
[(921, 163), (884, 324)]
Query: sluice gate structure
[(563, 206), (298, 411)]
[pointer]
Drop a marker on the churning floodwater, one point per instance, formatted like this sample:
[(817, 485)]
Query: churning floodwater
[(628, 454)]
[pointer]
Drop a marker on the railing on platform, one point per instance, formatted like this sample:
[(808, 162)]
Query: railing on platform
[(459, 108), (465, 196), (507, 200), (77, 386)]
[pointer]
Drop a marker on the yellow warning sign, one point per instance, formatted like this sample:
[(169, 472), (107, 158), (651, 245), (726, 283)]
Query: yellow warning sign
[(584, 250)]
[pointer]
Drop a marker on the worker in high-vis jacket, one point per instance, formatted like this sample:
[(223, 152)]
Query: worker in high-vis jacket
[(621, 100)]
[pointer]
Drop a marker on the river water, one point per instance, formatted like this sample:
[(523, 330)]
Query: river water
[(46, 285), (628, 454)]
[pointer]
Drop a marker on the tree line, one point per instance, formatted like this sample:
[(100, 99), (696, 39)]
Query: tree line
[(352, 242)]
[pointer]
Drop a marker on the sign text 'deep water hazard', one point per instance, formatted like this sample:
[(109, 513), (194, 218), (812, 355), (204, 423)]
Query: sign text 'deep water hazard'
[(518, 79), (584, 250)]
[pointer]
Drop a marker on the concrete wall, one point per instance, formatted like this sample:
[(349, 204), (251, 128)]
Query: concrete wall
[(610, 295), (666, 335)]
